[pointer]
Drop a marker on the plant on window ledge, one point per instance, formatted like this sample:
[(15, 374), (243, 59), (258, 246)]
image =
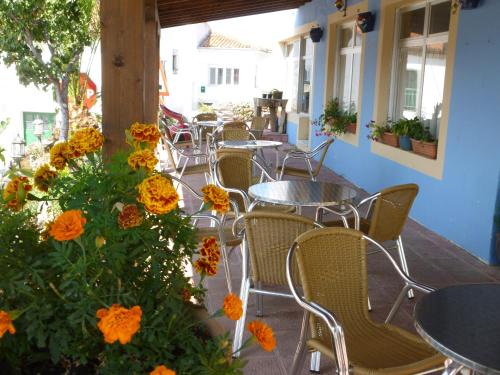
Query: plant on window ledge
[(423, 143), (405, 128), (335, 121)]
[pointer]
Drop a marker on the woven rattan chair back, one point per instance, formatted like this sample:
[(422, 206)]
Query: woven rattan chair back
[(258, 123), (235, 171), (205, 117), (269, 235), (235, 131), (332, 269), (390, 212), (316, 170)]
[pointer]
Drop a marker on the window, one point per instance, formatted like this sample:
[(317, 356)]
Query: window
[(299, 61), (348, 67), (420, 62), (29, 118), (175, 61), (226, 76)]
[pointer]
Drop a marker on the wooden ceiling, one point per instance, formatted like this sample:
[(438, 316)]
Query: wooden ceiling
[(183, 12)]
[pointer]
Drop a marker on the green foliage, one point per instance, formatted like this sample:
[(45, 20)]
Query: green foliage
[(334, 119), (243, 112), (377, 130), (407, 127), (205, 108), (53, 289)]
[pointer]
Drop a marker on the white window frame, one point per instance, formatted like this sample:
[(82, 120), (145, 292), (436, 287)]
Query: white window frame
[(421, 41), (355, 49), (226, 72)]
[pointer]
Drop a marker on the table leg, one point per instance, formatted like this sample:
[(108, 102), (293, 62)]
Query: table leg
[(273, 118), (452, 368)]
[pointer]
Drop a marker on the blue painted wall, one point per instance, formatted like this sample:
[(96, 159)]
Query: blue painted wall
[(461, 206)]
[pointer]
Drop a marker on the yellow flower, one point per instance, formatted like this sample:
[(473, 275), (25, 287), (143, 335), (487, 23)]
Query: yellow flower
[(85, 141), (44, 176), (158, 195), (143, 159), (130, 217), (162, 370), (59, 155), (6, 323), (210, 249), (119, 323), (68, 226), (233, 306), (204, 266), (264, 334), (14, 193), (100, 241), (217, 196), (145, 133)]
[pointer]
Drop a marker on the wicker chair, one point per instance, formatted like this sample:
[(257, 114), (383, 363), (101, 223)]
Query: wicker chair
[(257, 127), (332, 269), (234, 131), (201, 160), (181, 128), (233, 171), (218, 228), (203, 117), (267, 238), (386, 216), (311, 173)]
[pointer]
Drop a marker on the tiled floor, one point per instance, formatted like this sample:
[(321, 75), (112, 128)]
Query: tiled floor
[(432, 260)]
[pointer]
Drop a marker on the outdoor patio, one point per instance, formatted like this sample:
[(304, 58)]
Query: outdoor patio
[(432, 259)]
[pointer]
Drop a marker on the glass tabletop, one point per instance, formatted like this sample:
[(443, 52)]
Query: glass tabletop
[(302, 193), (462, 322), (250, 144), (209, 123)]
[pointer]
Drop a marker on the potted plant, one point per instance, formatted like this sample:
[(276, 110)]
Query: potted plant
[(276, 94), (383, 133), (423, 143), (332, 121), (351, 119), (404, 129)]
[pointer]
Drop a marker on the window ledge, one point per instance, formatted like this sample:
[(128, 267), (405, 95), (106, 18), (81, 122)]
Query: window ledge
[(350, 138), (429, 167)]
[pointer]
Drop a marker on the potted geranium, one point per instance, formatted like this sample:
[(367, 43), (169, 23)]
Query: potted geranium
[(96, 282), (423, 143), (383, 133), (335, 121), (404, 128)]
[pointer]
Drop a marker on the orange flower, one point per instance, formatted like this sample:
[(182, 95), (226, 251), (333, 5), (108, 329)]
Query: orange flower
[(130, 217), (264, 334), (217, 196), (44, 176), (186, 294), (162, 370), (204, 266), (85, 141), (119, 323), (14, 193), (6, 323), (233, 306), (59, 155), (158, 195), (68, 225), (142, 159), (147, 133), (210, 249)]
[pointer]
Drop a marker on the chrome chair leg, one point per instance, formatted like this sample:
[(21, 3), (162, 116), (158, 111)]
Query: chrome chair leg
[(404, 265), (240, 324), (260, 301), (227, 271), (301, 351), (315, 362)]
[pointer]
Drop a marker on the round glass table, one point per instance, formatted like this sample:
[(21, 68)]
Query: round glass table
[(462, 322)]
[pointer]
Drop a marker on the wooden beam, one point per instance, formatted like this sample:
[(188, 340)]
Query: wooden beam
[(151, 61), (214, 7)]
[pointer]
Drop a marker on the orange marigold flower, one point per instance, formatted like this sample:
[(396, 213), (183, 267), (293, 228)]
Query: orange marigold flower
[(148, 133), (130, 217), (186, 294), (14, 193), (210, 249), (59, 155), (158, 195), (44, 176), (233, 306), (204, 266), (6, 323), (143, 159), (264, 334), (162, 370), (217, 196), (68, 226), (84, 141), (119, 323)]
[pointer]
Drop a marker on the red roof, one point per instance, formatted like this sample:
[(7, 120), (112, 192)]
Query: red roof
[(215, 40)]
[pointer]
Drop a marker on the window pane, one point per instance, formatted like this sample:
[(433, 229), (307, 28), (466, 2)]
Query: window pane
[(412, 23), (236, 78), (432, 93), (292, 82), (356, 65), (344, 83), (440, 18), (306, 88), (357, 36), (410, 71), (228, 76), (346, 37), (293, 49), (308, 47), (212, 76), (220, 73)]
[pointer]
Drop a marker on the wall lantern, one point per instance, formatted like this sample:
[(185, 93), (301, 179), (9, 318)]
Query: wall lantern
[(469, 4), (365, 21), (316, 33), (18, 152), (38, 129)]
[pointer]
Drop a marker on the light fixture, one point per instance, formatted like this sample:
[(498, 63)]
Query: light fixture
[(316, 33), (18, 152), (365, 21)]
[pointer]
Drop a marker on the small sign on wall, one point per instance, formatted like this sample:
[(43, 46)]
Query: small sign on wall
[(202, 89)]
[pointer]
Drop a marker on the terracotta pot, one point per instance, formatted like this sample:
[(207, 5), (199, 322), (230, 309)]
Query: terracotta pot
[(390, 139), (351, 128), (427, 149)]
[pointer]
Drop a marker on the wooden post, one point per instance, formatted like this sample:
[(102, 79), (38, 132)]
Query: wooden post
[(128, 80)]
